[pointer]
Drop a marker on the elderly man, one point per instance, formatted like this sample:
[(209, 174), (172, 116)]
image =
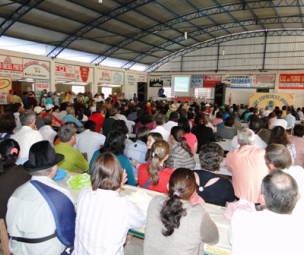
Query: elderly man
[(27, 135), (47, 131), (30, 215), (273, 230), (278, 157), (73, 161), (247, 166)]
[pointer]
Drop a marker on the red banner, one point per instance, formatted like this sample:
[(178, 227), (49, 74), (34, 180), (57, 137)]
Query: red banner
[(211, 80), (291, 81)]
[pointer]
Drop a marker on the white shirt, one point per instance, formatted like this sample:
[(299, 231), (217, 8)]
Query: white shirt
[(102, 222), (89, 142), (18, 122), (48, 134), (60, 115), (277, 122), (265, 232), (291, 120), (30, 216), (258, 143), (162, 131), (26, 137), (170, 124), (129, 123)]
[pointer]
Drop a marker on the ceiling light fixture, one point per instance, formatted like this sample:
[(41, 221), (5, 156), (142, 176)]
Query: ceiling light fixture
[(223, 52), (186, 35)]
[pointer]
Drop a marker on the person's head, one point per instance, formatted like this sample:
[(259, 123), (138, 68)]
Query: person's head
[(7, 123), (115, 142), (121, 126), (42, 159), (90, 125), (182, 185), (67, 134), (48, 119), (280, 192), (278, 113), (219, 115), (71, 111), (106, 172), (160, 119), (142, 134), (201, 119), (113, 112), (211, 155), (153, 137), (160, 153), (246, 137), (184, 123), (16, 107), (278, 135), (277, 156), (298, 130), (255, 124), (177, 133), (28, 118), (9, 151), (174, 116), (229, 121)]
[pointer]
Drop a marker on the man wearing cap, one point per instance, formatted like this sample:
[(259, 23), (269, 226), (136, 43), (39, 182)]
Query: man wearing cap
[(27, 135), (29, 218), (39, 119), (49, 110), (172, 108)]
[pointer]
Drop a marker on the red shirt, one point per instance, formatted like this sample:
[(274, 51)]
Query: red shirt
[(54, 117), (164, 177), (98, 119)]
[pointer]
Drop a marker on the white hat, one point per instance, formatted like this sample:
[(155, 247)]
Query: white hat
[(207, 105), (49, 107), (38, 110)]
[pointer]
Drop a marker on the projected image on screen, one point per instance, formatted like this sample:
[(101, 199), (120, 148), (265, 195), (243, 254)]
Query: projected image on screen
[(181, 83)]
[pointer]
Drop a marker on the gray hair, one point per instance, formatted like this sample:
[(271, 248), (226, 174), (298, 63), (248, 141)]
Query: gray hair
[(48, 119), (71, 111), (44, 172), (65, 133), (246, 137), (26, 117)]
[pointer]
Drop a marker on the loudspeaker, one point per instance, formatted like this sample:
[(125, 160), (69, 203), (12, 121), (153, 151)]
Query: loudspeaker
[(219, 93), (142, 91)]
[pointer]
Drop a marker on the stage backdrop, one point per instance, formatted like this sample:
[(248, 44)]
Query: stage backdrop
[(261, 100)]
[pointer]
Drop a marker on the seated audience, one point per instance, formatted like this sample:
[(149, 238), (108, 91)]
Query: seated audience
[(115, 143), (180, 153), (213, 188), (108, 122), (7, 125), (47, 132), (218, 119), (144, 119), (264, 228), (298, 140), (120, 125), (152, 137), (98, 116), (277, 120), (172, 122), (228, 131), (154, 175), (160, 120), (290, 119), (191, 138), (174, 225), (70, 117), (247, 166), (73, 160), (103, 217)]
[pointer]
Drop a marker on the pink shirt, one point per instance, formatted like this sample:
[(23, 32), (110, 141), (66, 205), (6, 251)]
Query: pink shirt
[(191, 140), (248, 168), (299, 144), (216, 121)]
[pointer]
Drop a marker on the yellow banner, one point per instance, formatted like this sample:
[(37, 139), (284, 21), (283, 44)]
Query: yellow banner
[(5, 84), (261, 100)]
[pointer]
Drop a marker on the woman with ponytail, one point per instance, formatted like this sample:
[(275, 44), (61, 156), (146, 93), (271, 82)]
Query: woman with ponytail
[(181, 154), (174, 224), (154, 175), (11, 175)]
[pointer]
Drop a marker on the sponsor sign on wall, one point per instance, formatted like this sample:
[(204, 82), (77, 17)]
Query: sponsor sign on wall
[(5, 86), (65, 72), (103, 76), (211, 80), (261, 100), (158, 81), (11, 66), (36, 69), (197, 81), (291, 81)]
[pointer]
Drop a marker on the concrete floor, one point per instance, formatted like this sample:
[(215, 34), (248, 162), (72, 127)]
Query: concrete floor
[(134, 247)]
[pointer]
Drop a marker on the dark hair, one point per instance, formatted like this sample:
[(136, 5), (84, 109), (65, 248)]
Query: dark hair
[(280, 192), (214, 109), (278, 135), (142, 134), (48, 119), (160, 119), (7, 123), (211, 155), (201, 119), (115, 142), (178, 135), (121, 126), (174, 116), (255, 124), (16, 107), (181, 186), (184, 123), (298, 130), (159, 151), (229, 121), (157, 137), (219, 115), (8, 157), (278, 155), (106, 172), (90, 124)]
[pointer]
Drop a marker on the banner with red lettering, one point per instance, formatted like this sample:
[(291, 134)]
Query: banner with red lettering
[(291, 81), (65, 72), (211, 80), (11, 66), (43, 84), (33, 68), (103, 76)]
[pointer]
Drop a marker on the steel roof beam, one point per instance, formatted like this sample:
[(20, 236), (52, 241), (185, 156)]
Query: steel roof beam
[(23, 9), (103, 18), (227, 38), (252, 22), (253, 14)]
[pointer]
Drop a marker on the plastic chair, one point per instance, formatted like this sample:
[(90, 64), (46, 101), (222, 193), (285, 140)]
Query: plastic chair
[(4, 238)]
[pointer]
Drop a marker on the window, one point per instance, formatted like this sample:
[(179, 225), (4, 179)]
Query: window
[(78, 89), (202, 93), (167, 91), (106, 91)]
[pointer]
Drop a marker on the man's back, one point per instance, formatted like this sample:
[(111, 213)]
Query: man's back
[(29, 216), (248, 168)]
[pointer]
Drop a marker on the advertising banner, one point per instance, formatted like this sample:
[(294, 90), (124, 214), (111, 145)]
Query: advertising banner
[(197, 81), (240, 81), (142, 78), (103, 76), (211, 80), (291, 81), (158, 81), (261, 100), (5, 86), (118, 78), (64, 72), (11, 66), (263, 81), (43, 84), (36, 69), (131, 79)]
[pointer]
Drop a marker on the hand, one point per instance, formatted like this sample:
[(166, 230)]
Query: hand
[(124, 178)]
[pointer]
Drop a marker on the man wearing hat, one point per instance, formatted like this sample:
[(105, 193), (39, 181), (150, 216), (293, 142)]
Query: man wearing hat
[(172, 108), (30, 220)]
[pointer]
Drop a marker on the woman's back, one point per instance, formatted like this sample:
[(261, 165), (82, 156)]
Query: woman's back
[(194, 228)]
